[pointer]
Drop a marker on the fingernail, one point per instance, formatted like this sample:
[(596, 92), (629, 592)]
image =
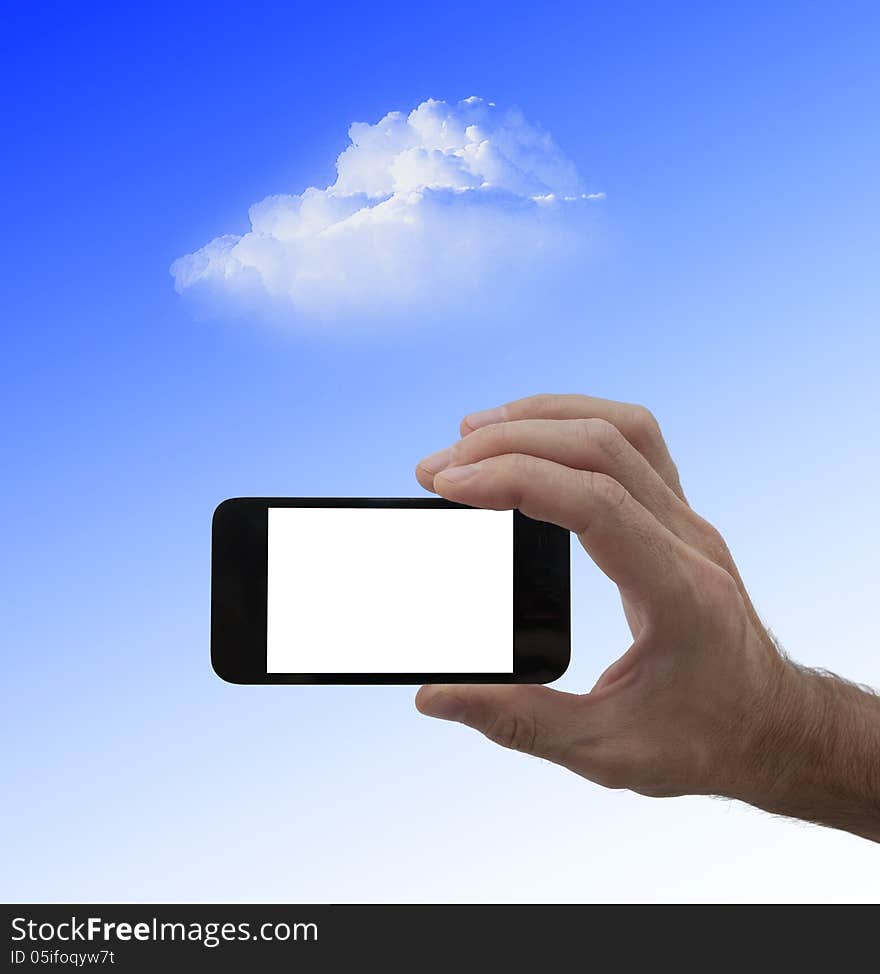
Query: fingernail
[(444, 706), (456, 474), (437, 461), (487, 416)]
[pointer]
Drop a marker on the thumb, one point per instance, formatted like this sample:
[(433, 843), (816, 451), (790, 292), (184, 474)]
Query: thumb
[(534, 719)]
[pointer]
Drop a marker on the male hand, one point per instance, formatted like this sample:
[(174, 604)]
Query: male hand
[(702, 702)]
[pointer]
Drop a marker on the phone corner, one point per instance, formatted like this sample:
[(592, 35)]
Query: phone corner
[(224, 676), (222, 509), (559, 670)]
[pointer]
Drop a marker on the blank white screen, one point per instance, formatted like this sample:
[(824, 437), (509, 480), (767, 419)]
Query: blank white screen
[(389, 590)]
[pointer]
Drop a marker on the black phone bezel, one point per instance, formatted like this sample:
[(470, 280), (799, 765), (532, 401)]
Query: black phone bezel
[(541, 596)]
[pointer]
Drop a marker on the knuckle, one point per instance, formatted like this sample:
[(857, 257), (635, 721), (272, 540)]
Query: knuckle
[(491, 440), (601, 495), (598, 439), (521, 466), (719, 593), (644, 425), (713, 544), (506, 478), (518, 732), (604, 492), (541, 402)]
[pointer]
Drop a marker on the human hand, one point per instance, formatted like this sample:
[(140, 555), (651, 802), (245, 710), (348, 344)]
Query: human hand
[(702, 702)]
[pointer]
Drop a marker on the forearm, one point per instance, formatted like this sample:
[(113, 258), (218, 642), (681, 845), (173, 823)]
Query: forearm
[(816, 753)]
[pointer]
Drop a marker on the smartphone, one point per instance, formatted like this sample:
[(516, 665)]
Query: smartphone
[(365, 590)]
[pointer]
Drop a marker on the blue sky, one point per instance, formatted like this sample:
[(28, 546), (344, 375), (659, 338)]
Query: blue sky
[(731, 286)]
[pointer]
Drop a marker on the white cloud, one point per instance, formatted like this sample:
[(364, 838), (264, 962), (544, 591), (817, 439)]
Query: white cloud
[(429, 209)]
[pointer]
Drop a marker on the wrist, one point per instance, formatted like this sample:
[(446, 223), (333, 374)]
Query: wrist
[(779, 736), (763, 721), (812, 751)]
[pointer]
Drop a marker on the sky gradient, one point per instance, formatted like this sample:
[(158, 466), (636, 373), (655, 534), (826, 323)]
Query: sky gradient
[(731, 285)]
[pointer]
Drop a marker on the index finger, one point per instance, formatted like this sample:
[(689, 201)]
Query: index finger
[(636, 423)]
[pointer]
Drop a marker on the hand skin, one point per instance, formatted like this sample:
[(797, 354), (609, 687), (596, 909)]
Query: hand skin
[(703, 702)]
